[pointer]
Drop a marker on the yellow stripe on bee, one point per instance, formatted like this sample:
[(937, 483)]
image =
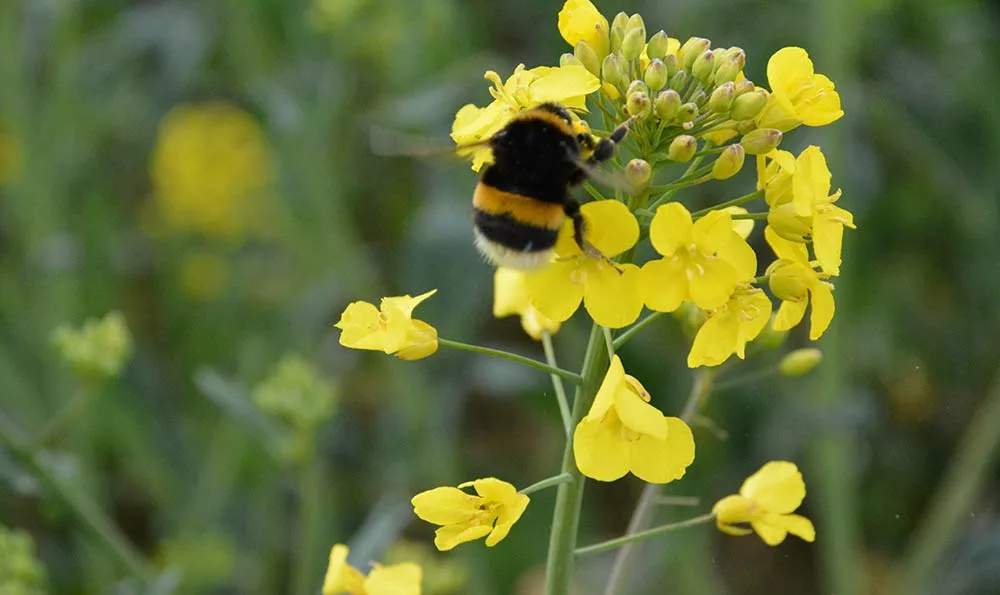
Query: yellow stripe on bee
[(549, 117), (523, 209)]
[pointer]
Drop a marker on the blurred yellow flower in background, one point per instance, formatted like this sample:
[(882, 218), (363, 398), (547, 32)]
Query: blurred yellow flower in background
[(510, 296), (622, 432), (389, 328), (464, 517), (798, 94), (395, 579), (211, 171), (767, 500), (98, 349)]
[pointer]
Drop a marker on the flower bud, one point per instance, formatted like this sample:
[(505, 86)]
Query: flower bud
[(633, 44), (687, 112), (672, 64), (638, 172), (729, 163), (788, 225), (736, 54), (617, 33), (745, 126), (569, 59), (635, 22), (637, 86), (658, 45), (679, 80), (656, 75), (760, 141), (667, 103), (682, 148), (698, 97), (639, 105), (748, 105), (588, 57), (726, 71), (691, 49), (744, 86), (612, 71), (800, 362), (722, 98), (704, 66)]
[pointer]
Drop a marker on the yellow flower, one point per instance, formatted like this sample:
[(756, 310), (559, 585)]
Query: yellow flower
[(609, 292), (793, 281), (729, 328), (623, 433), (510, 297), (394, 579), (703, 261), (389, 328), (567, 85), (766, 501), (211, 170), (798, 95), (579, 20), (464, 517)]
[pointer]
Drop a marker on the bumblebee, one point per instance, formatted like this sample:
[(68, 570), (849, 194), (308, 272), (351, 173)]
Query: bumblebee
[(523, 197)]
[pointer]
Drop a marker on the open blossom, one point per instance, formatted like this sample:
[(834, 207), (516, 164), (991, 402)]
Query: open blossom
[(798, 94), (579, 20), (610, 292), (510, 296), (793, 281), (728, 329), (566, 85), (394, 579), (390, 328), (464, 517), (766, 501), (703, 260), (622, 432)]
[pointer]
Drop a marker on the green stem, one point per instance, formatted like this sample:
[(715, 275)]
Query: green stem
[(749, 377), (310, 495), (754, 216), (548, 482), (729, 203), (625, 540), (557, 385), (609, 341), (957, 493), (527, 361), (701, 388), (627, 335), (692, 171), (90, 516), (566, 516)]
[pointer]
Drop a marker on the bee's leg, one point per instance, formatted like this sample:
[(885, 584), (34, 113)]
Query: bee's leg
[(572, 209), (605, 148)]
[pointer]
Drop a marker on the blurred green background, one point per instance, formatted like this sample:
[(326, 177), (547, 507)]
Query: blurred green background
[(204, 168)]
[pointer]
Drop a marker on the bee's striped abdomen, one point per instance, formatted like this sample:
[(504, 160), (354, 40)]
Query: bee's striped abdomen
[(514, 230)]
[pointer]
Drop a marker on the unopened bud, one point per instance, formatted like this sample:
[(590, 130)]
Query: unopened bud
[(698, 97), (762, 140), (726, 71), (633, 44), (703, 67), (800, 362), (635, 23), (672, 64), (617, 33), (748, 105), (788, 225), (722, 98), (637, 86), (666, 104), (691, 49), (680, 80), (729, 163), (588, 57), (687, 112), (656, 75), (638, 172), (744, 86), (745, 126), (658, 45), (568, 59), (736, 54), (612, 71), (639, 105), (99, 349), (682, 148)]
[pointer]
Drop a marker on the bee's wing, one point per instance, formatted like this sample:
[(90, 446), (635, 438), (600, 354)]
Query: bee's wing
[(613, 181), (396, 143)]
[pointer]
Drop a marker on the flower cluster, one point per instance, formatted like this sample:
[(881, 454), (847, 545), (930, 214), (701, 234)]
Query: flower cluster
[(97, 350), (20, 571)]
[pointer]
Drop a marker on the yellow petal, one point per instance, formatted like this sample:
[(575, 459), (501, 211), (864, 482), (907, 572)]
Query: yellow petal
[(663, 284), (789, 314), (742, 227), (614, 380), (785, 249), (811, 182), (535, 323), (395, 579), (512, 510), (562, 83), (671, 228), (788, 69), (776, 487), (579, 20), (824, 106), (715, 341), (755, 312), (600, 451), (771, 534), (447, 537), (340, 576), (361, 327), (612, 297), (828, 237), (421, 341), (405, 303), (734, 509), (663, 460), (822, 309), (445, 506), (740, 255), (557, 289), (638, 415), (611, 227), (712, 230), (493, 489), (732, 529), (797, 525), (509, 294), (711, 281)]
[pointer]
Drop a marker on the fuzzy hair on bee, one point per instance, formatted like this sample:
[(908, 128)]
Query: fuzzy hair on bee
[(524, 196)]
